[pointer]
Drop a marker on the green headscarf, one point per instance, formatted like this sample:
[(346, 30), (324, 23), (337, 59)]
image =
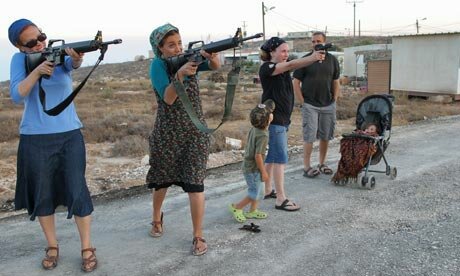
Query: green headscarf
[(157, 36)]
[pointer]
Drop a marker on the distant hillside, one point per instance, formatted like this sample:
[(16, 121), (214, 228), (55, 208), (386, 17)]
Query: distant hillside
[(116, 71), (130, 70)]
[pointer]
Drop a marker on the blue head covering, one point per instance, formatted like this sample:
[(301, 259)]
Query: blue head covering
[(272, 44), (157, 36), (16, 28)]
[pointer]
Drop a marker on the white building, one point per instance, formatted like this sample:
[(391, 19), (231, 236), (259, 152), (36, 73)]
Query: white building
[(426, 64)]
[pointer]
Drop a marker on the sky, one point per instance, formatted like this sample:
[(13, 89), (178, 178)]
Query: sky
[(213, 20)]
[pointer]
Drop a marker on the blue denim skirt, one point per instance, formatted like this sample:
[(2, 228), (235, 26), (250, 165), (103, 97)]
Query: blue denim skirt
[(50, 173), (277, 144)]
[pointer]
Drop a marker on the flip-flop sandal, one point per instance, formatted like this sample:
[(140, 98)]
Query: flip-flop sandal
[(323, 168), (272, 194), (311, 172), (256, 214), (251, 227), (287, 203)]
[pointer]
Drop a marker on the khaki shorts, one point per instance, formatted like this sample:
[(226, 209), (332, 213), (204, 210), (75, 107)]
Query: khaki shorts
[(318, 122)]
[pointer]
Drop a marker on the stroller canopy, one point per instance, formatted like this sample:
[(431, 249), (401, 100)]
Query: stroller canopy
[(375, 109)]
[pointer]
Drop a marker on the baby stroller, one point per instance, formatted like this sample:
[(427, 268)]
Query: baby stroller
[(371, 149)]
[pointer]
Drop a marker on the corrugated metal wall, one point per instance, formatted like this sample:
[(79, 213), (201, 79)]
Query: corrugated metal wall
[(378, 76)]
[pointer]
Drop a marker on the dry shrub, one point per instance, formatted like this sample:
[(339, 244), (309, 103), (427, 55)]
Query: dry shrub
[(131, 145), (8, 149), (216, 76), (214, 111), (347, 106), (419, 109), (114, 126), (9, 123), (228, 130), (218, 142), (118, 85), (239, 114)]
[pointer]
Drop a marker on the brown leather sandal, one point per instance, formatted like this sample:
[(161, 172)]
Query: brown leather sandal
[(89, 264), (51, 261), (157, 228), (195, 250)]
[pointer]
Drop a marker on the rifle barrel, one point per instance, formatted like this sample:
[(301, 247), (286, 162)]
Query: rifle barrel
[(115, 41), (253, 36)]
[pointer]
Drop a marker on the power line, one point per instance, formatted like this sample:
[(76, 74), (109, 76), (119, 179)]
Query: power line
[(297, 25)]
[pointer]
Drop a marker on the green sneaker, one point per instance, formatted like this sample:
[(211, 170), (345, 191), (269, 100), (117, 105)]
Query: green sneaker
[(237, 213), (256, 214)]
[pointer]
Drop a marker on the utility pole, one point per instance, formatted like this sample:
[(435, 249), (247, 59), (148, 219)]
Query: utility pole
[(244, 29), (417, 26), (264, 10), (359, 28), (354, 15)]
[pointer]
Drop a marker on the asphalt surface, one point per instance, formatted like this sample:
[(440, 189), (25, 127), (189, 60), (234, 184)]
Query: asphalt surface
[(406, 226)]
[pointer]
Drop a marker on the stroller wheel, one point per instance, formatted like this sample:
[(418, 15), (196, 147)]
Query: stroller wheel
[(362, 180), (394, 173), (341, 182), (367, 182), (388, 170), (370, 183)]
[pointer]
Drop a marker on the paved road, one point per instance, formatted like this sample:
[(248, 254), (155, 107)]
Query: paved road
[(406, 226)]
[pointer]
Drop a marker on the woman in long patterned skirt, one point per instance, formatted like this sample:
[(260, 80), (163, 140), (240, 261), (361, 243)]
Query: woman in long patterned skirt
[(178, 150)]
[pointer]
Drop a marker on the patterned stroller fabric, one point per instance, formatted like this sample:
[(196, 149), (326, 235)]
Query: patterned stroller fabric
[(359, 150), (355, 150)]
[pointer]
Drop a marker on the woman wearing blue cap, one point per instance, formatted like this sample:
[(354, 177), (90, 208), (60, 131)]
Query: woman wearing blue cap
[(178, 150), (51, 153)]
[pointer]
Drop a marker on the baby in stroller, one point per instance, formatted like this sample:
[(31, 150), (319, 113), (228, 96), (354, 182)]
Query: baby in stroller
[(371, 129), (366, 145), (356, 149)]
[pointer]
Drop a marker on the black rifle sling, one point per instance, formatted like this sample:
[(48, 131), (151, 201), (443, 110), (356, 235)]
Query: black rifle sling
[(232, 82), (62, 105)]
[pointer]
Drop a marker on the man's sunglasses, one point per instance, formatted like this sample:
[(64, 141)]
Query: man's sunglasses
[(32, 43)]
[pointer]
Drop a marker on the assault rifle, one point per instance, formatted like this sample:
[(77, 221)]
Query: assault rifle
[(57, 54), (193, 54)]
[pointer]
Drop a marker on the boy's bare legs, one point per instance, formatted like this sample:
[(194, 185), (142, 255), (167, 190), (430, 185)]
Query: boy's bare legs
[(254, 205), (245, 201), (49, 229)]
